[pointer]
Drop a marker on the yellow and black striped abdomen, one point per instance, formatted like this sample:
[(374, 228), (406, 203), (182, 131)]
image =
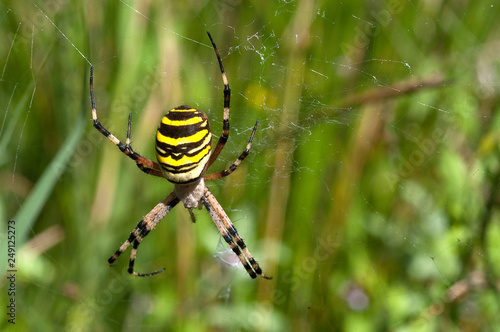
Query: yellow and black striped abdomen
[(183, 144)]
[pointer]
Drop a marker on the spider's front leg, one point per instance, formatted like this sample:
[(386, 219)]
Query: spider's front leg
[(231, 236), (143, 228)]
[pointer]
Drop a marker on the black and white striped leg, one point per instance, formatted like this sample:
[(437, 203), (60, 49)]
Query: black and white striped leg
[(144, 164), (143, 228), (230, 235), (237, 162), (227, 99)]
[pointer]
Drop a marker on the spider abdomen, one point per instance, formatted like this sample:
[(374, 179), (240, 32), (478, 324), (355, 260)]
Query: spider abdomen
[(183, 144)]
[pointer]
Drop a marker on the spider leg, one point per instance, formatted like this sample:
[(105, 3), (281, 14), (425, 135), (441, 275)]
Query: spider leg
[(237, 162), (143, 228), (191, 214), (230, 235), (144, 164), (227, 98)]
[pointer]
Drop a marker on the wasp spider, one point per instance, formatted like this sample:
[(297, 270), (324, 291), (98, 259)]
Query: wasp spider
[(184, 153)]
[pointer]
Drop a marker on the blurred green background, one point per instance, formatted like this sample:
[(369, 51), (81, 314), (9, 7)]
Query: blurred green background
[(370, 193)]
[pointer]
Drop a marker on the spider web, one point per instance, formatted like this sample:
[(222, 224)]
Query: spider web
[(369, 192)]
